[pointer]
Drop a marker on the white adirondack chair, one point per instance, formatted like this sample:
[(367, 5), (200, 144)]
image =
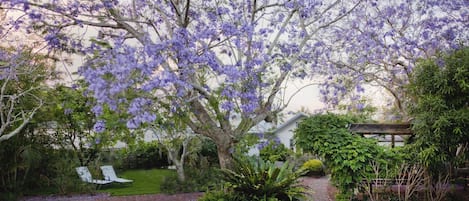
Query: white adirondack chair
[(85, 176), (110, 175)]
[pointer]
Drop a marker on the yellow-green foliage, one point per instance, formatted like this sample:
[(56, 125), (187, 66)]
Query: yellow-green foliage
[(313, 165)]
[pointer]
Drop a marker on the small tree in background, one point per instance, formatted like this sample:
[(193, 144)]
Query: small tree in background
[(76, 127), (178, 140), (23, 76)]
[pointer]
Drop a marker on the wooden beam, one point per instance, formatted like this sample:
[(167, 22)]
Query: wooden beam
[(390, 129)]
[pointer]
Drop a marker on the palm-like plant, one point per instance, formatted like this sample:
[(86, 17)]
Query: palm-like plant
[(256, 179)]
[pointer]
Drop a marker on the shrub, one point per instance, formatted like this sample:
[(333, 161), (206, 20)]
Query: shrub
[(274, 151), (348, 156), (31, 166), (197, 180), (256, 179), (145, 156), (207, 154), (314, 167), (299, 158)]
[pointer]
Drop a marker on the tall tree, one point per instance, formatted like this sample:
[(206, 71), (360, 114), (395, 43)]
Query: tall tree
[(224, 64), (384, 41)]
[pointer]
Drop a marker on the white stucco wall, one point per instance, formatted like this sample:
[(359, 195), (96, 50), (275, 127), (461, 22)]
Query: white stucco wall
[(286, 133)]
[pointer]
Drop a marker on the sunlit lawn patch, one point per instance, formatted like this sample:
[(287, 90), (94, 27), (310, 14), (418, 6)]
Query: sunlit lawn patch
[(145, 182)]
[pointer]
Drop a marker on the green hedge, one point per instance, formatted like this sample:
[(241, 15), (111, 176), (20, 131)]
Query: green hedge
[(348, 156)]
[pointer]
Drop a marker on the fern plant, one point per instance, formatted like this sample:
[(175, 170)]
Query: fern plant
[(255, 178)]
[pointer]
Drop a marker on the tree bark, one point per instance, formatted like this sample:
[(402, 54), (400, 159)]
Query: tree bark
[(177, 162), (180, 170), (224, 154)]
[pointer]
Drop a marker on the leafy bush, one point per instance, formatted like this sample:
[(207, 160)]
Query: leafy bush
[(439, 89), (30, 166), (348, 156), (298, 158), (314, 167), (207, 155), (256, 179), (274, 151), (198, 179), (146, 156)]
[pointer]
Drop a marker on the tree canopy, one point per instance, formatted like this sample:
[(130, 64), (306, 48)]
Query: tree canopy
[(224, 64), (383, 43)]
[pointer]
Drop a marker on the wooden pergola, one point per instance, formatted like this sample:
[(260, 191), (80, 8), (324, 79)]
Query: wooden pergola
[(400, 129)]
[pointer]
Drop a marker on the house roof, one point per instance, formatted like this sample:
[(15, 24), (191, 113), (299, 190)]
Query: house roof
[(290, 121)]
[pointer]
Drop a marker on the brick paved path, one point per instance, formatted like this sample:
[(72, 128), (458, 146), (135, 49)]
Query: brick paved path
[(318, 188)]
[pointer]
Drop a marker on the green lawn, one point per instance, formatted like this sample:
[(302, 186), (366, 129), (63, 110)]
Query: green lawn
[(145, 182)]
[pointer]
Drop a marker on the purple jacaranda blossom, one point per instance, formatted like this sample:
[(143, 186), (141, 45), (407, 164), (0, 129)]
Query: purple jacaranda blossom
[(360, 106), (262, 144), (228, 106), (360, 89), (235, 57), (229, 29), (35, 15), (97, 109), (99, 126), (260, 135)]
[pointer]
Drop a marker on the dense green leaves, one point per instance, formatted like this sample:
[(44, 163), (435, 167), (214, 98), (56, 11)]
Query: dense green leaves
[(255, 178), (275, 151), (347, 156), (440, 89), (75, 124)]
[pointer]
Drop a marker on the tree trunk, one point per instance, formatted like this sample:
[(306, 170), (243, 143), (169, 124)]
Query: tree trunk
[(177, 162), (180, 171), (224, 154)]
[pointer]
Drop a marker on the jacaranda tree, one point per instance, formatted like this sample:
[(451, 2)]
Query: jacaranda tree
[(382, 44), (223, 65)]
